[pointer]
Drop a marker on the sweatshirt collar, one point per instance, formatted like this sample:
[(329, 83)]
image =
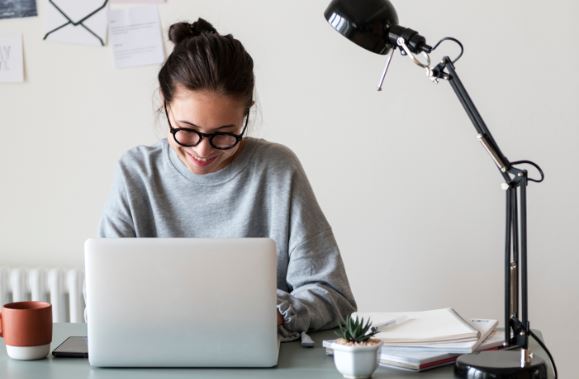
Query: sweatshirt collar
[(223, 175)]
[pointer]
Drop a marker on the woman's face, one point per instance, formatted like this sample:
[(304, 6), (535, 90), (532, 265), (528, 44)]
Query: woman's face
[(205, 111)]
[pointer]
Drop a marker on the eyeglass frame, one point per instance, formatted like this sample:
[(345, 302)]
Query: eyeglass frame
[(209, 136)]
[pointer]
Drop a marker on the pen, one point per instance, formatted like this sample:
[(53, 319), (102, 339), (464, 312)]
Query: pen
[(397, 320)]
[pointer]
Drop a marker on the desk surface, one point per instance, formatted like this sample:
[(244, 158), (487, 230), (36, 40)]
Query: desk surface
[(294, 362)]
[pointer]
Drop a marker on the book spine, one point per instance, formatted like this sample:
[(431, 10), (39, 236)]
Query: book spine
[(442, 362)]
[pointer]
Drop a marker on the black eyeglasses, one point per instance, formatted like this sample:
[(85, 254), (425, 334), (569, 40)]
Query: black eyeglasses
[(188, 137)]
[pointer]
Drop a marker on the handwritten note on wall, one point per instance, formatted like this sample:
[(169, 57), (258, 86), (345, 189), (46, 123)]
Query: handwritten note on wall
[(11, 62), (135, 35)]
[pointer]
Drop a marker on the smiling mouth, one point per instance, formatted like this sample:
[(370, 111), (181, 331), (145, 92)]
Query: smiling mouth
[(202, 162)]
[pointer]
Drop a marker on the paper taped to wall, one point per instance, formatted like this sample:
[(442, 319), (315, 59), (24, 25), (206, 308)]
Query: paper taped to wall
[(136, 36), (11, 62), (81, 22), (17, 8)]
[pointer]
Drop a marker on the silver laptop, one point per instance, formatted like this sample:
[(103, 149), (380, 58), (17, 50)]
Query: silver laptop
[(181, 302)]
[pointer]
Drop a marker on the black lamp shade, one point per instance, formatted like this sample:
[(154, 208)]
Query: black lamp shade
[(364, 22)]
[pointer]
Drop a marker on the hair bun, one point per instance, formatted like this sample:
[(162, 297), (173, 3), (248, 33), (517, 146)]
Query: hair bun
[(202, 26), (184, 30)]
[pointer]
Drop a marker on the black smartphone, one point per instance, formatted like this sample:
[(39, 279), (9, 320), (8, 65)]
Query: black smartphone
[(72, 347)]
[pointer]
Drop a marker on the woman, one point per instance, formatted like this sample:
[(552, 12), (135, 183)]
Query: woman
[(206, 179)]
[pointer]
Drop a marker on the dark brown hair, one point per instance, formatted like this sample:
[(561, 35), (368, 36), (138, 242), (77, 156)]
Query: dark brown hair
[(203, 59)]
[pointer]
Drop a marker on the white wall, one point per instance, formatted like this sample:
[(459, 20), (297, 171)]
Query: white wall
[(415, 202)]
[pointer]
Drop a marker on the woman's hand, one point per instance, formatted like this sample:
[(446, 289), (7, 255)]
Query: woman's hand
[(279, 319)]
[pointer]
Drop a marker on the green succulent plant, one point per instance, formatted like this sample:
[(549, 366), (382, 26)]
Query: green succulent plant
[(356, 329)]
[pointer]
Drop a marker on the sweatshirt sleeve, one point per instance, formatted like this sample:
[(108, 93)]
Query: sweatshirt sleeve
[(317, 294), (320, 294), (116, 220)]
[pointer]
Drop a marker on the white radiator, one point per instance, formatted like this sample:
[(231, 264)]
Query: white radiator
[(62, 288)]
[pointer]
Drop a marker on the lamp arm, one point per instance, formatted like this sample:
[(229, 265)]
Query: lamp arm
[(484, 135), (516, 216)]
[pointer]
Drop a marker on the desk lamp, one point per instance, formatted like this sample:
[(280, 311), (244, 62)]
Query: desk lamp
[(373, 25)]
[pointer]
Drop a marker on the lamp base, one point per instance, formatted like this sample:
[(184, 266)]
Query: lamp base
[(499, 364)]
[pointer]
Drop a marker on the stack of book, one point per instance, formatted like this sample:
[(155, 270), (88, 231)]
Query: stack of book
[(419, 341)]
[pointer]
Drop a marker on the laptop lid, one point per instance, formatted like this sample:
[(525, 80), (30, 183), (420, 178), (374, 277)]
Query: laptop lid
[(181, 302)]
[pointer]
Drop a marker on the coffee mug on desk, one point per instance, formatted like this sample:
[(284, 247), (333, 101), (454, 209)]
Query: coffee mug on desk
[(27, 329)]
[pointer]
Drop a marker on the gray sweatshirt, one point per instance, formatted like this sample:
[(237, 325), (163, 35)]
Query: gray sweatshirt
[(263, 192)]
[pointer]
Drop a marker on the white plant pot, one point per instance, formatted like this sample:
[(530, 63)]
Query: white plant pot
[(356, 361)]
